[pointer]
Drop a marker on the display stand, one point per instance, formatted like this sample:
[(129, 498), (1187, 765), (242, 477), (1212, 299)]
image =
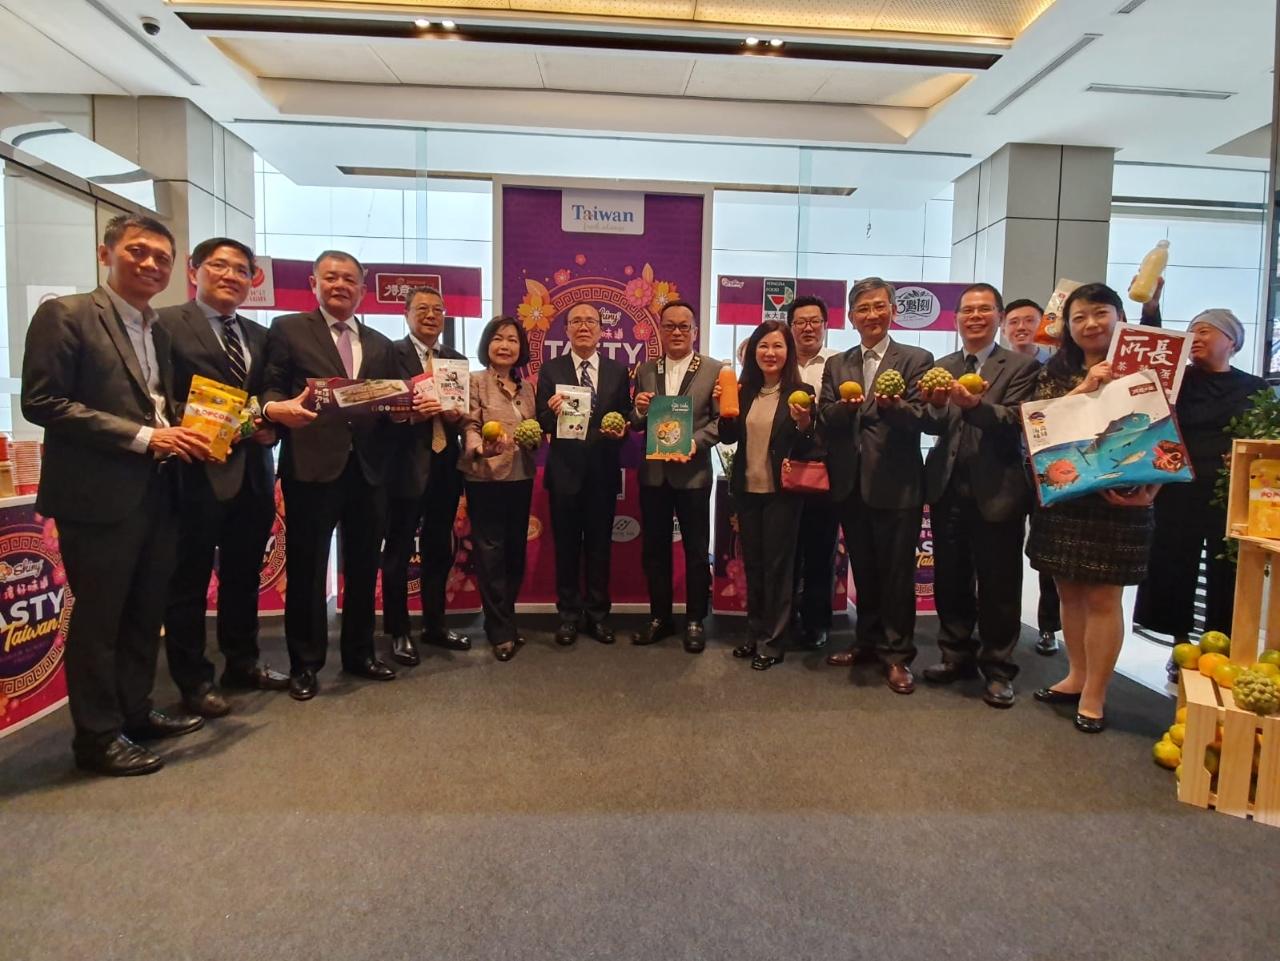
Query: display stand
[(1209, 704)]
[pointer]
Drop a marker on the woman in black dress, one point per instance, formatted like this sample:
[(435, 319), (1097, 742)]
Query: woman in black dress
[(1213, 392), (1096, 544)]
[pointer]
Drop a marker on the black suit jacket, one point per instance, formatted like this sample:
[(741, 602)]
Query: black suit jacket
[(198, 351), (785, 440), (994, 457), (413, 461), (573, 463), (81, 382), (878, 450), (300, 346)]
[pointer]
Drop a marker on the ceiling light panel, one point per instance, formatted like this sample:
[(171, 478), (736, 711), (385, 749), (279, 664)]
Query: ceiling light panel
[(300, 58), (1160, 91), (654, 9), (984, 18)]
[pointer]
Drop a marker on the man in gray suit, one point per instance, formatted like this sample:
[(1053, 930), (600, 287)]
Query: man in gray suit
[(97, 376), (877, 479), (682, 488), (979, 496)]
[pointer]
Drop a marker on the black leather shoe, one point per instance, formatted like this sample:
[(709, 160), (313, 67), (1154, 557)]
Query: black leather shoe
[(303, 687), (815, 640), (449, 640), (205, 701), (1090, 725), (1047, 646), (566, 634), (1048, 695), (998, 693), (157, 725), (762, 662), (946, 672), (695, 637), (653, 632), (602, 633), (371, 668), (506, 650), (745, 650), (404, 651), (119, 758), (260, 678)]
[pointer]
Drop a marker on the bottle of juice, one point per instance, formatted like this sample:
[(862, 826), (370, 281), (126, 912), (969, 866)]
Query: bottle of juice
[(728, 393), (1152, 268)]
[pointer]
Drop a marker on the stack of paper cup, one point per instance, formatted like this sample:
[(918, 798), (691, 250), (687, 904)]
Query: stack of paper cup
[(26, 465)]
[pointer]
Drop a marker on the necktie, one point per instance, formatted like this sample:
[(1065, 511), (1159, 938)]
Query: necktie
[(970, 363), (344, 347), (438, 442), (870, 363), (235, 351), (584, 379)]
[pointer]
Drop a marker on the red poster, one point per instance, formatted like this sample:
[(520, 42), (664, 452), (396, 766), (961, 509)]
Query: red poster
[(1166, 352), (35, 609)]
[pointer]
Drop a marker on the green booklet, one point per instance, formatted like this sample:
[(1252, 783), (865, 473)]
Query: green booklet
[(670, 435)]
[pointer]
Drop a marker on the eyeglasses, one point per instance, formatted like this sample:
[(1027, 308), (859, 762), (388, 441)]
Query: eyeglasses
[(676, 328), (222, 267), (871, 310), (584, 322), (983, 310), (806, 322)]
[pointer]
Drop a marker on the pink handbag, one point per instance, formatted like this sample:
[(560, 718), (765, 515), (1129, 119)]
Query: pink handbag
[(805, 476)]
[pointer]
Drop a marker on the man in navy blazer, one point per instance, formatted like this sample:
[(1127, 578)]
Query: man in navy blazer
[(583, 476), (229, 507), (877, 479), (979, 495)]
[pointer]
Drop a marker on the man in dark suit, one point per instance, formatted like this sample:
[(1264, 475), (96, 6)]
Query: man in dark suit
[(97, 376), (877, 479), (425, 487), (333, 471), (679, 488), (979, 496), (227, 507), (582, 476)]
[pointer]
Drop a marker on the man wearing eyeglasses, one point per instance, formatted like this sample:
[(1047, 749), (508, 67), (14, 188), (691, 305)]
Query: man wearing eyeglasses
[(979, 496), (678, 488), (815, 557), (582, 476), (425, 488), (227, 508)]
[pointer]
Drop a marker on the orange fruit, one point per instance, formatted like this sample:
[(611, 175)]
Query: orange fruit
[(801, 398), (1186, 655), (850, 390), (1180, 716), (1210, 661), (1269, 656), (1167, 754), (1215, 642), (491, 430), (1266, 667), (1226, 674), (973, 383)]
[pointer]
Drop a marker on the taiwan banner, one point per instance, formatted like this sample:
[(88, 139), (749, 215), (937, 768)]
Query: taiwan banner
[(926, 305), (750, 300), (628, 253), (286, 285), (35, 610)]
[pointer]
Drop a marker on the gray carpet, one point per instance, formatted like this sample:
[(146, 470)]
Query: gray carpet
[(624, 802)]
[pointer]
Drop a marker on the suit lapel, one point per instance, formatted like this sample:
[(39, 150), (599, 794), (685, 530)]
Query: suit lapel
[(995, 366), (689, 374), (200, 327), (114, 326), (324, 340)]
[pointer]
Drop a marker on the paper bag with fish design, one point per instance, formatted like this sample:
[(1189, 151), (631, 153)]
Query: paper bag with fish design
[(1121, 435), (214, 411)]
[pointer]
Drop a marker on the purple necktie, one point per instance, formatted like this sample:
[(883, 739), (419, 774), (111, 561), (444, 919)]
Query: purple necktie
[(344, 347)]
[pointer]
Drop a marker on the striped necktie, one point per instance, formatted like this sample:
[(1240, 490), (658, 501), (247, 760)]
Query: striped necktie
[(235, 351), (584, 379)]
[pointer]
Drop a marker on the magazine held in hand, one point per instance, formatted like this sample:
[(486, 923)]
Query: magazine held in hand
[(670, 434), (1122, 435)]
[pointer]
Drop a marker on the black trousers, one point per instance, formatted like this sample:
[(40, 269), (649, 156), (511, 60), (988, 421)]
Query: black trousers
[(499, 512), (1049, 608), (435, 511), (816, 562), (768, 526), (693, 509), (582, 526), (312, 511), (882, 552), (119, 574), (1186, 524), (237, 530), (977, 584)]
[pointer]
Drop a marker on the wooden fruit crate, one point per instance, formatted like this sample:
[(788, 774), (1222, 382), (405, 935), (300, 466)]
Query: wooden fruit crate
[(1253, 593)]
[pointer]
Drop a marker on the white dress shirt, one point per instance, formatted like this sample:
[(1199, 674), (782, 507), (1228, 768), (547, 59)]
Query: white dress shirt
[(593, 363), (676, 369), (811, 370), (871, 358), (424, 352), (356, 353), (138, 326), (220, 332)]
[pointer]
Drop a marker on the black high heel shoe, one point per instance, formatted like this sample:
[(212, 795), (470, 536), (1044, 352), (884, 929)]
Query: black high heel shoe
[(745, 650)]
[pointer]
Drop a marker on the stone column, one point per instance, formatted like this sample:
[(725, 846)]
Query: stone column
[(1031, 213)]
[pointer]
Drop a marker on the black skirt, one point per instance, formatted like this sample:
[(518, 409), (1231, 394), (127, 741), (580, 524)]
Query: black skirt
[(1092, 542)]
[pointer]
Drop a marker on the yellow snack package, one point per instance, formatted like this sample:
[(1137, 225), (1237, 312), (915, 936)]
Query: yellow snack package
[(1264, 498), (214, 411)]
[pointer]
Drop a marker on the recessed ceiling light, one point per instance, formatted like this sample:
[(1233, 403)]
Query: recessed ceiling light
[(775, 42), (448, 24), (422, 23), (752, 41)]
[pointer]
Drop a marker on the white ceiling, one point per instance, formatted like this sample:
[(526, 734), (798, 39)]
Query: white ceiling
[(936, 123)]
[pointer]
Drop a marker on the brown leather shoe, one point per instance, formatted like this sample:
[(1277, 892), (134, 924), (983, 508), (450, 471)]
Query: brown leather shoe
[(854, 655), (899, 679)]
